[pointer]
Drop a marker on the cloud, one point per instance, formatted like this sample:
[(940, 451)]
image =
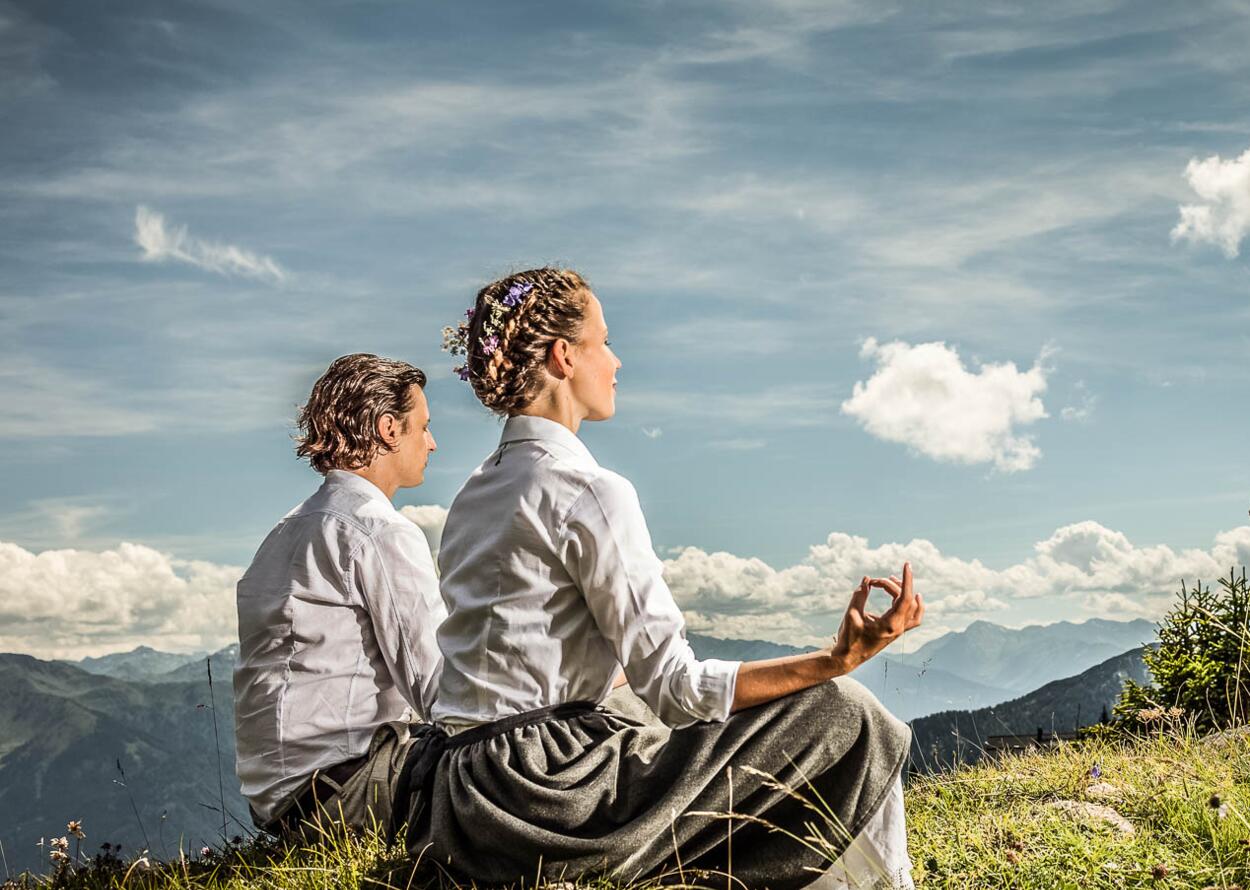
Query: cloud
[(652, 432), (923, 396), (161, 243), (1084, 569), (1084, 408), (1223, 217), (62, 603), (430, 518)]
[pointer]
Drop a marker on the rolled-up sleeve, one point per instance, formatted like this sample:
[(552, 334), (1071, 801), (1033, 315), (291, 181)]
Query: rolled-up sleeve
[(607, 550), (396, 579)]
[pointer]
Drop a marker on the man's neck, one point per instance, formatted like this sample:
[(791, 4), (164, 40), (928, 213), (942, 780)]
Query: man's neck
[(383, 481)]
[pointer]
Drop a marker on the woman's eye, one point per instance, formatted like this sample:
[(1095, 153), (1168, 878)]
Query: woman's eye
[(607, 342)]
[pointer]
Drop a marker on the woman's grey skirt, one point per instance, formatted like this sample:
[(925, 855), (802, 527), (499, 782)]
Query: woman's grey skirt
[(771, 796)]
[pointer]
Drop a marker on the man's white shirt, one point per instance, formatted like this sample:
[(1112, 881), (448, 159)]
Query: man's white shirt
[(552, 584), (337, 620)]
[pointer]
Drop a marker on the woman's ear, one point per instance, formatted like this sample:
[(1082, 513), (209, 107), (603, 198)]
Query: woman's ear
[(560, 359)]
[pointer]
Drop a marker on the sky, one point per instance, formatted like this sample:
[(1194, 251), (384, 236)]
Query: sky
[(954, 283)]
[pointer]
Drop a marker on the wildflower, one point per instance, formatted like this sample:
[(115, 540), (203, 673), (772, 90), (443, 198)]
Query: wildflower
[(1159, 872), (59, 857), (1175, 712), (205, 851), (516, 292), (1149, 715), (75, 828), (490, 344), (462, 371), (1095, 771), (60, 843), (468, 313)]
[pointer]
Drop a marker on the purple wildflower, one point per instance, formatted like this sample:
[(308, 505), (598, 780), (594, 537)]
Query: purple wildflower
[(516, 292), (1095, 772), (468, 313), (490, 344), (462, 371)]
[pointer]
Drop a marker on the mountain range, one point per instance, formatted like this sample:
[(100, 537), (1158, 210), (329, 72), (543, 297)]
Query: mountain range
[(132, 744)]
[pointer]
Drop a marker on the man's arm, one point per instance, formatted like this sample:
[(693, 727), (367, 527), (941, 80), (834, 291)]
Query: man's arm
[(395, 577)]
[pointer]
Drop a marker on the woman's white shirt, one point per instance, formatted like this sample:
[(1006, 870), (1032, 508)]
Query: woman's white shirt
[(551, 583)]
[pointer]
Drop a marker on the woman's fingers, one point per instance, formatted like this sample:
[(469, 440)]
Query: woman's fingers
[(888, 585), (859, 597)]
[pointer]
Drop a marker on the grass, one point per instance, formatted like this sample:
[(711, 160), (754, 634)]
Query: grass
[(992, 825)]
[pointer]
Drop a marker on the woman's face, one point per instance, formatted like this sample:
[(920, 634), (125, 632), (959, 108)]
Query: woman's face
[(594, 379)]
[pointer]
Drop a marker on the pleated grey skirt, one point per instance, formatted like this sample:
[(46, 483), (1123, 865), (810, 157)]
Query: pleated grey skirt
[(771, 796)]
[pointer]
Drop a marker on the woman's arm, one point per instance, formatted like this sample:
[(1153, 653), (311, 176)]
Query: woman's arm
[(861, 636)]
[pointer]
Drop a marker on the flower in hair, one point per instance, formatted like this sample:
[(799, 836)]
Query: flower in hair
[(462, 371), (468, 313), (489, 344), (516, 293)]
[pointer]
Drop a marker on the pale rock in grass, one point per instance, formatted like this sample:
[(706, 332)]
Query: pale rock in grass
[(1103, 791), (1093, 812)]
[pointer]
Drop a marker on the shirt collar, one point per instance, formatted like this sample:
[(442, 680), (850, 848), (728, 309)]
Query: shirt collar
[(356, 483), (525, 427)]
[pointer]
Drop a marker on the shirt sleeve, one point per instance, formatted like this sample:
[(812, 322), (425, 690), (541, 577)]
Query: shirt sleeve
[(396, 579), (607, 550)]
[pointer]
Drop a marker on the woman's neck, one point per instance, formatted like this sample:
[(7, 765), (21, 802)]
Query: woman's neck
[(557, 404)]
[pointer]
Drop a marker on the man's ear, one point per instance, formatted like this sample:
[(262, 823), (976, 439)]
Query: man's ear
[(388, 429)]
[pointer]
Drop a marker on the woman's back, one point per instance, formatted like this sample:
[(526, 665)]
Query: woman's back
[(550, 583)]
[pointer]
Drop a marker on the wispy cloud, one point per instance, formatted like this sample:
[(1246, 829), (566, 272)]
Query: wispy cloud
[(923, 396), (1223, 216), (162, 243)]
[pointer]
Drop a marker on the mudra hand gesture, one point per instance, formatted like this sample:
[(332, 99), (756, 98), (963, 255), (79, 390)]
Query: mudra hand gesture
[(864, 634)]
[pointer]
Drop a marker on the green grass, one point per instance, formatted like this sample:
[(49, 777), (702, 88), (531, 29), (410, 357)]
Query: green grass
[(992, 825)]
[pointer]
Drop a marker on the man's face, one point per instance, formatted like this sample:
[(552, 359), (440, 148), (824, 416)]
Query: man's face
[(412, 451)]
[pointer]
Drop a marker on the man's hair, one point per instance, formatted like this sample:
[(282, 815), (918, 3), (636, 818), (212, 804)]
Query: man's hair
[(338, 427)]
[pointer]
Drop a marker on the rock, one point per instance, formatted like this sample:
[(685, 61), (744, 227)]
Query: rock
[(1093, 812), (1103, 791), (1226, 736)]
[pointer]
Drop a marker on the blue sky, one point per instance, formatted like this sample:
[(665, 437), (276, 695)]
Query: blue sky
[(975, 217)]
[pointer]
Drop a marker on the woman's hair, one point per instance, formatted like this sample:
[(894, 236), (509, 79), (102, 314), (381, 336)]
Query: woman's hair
[(339, 424), (550, 305)]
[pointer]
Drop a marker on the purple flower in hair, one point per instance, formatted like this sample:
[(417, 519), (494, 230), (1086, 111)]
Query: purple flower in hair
[(468, 313), (516, 292), (490, 344), (462, 372)]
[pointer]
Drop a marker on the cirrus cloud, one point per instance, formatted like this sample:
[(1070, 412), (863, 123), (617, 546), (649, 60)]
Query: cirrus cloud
[(161, 243), (922, 396)]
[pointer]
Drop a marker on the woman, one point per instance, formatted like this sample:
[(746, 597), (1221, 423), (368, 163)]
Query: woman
[(553, 589)]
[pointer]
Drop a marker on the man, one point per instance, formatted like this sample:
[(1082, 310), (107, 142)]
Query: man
[(338, 610)]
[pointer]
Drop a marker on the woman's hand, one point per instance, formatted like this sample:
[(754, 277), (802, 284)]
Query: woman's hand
[(863, 634)]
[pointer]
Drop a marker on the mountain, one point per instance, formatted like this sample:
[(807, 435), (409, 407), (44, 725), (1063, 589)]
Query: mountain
[(62, 733), (223, 662), (907, 690), (1020, 659), (939, 740), (142, 663)]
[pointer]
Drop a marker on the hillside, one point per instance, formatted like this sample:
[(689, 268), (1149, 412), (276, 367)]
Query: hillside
[(63, 732), (140, 663), (941, 739), (1166, 812)]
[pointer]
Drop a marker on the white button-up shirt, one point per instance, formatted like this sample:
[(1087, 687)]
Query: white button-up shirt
[(337, 614), (551, 584)]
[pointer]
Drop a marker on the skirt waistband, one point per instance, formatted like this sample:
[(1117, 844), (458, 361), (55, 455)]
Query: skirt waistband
[(516, 721)]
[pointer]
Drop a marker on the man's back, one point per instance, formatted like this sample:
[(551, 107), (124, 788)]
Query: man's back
[(337, 615)]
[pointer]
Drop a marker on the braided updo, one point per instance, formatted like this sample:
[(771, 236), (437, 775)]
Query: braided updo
[(552, 308)]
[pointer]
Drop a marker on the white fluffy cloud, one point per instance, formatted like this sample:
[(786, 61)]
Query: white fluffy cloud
[(923, 396), (1223, 216), (70, 603), (430, 518), (1085, 568), (161, 243)]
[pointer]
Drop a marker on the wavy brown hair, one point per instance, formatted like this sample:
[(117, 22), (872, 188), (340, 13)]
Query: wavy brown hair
[(339, 423), (510, 377)]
